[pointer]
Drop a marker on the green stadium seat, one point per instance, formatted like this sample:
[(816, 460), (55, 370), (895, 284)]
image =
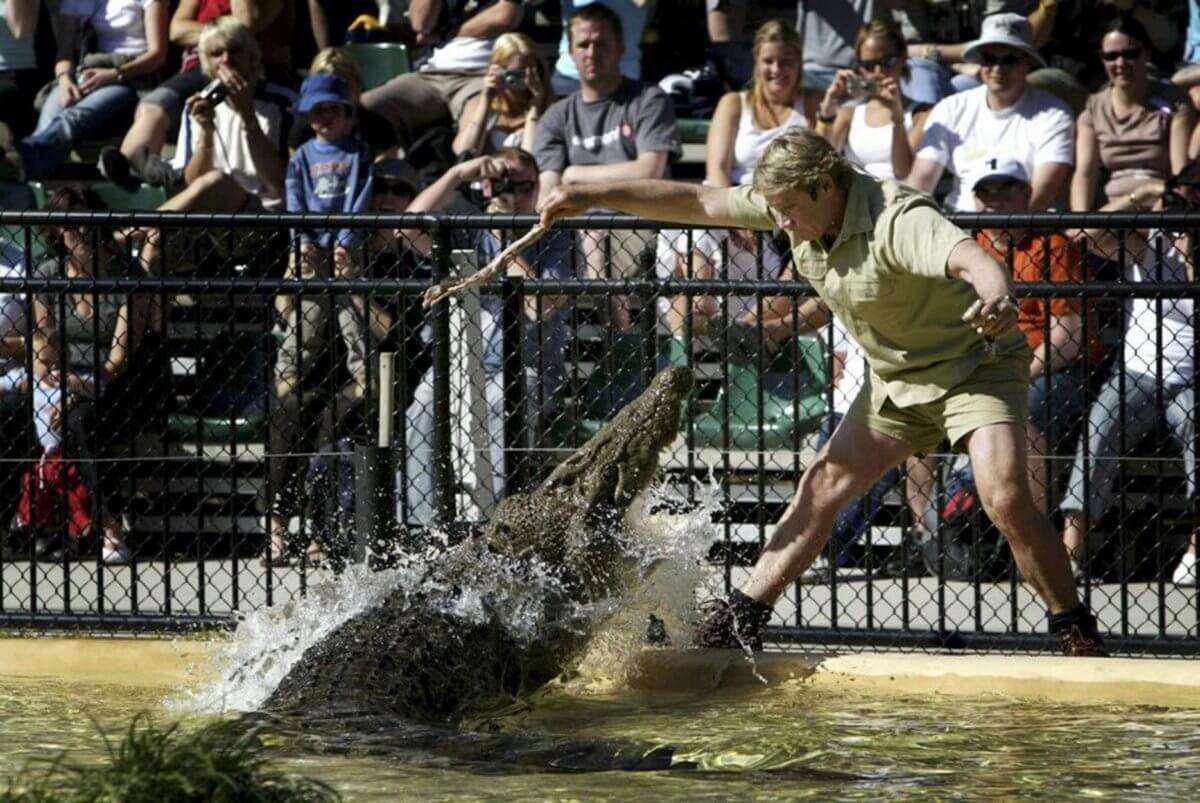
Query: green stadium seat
[(379, 62), (781, 426), (229, 400), (693, 131)]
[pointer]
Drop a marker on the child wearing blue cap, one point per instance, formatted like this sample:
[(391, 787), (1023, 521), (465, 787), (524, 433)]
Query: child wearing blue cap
[(330, 174)]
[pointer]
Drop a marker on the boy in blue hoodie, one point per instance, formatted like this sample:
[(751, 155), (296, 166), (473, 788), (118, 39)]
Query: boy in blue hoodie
[(329, 174)]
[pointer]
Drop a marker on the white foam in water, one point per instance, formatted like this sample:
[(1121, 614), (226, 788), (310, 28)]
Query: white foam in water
[(669, 550)]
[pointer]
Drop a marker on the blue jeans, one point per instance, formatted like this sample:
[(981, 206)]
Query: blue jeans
[(854, 519), (105, 112), (1105, 435)]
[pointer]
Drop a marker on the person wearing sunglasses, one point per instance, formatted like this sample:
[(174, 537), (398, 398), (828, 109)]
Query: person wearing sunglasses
[(508, 181), (1134, 129), (1004, 117), (879, 131)]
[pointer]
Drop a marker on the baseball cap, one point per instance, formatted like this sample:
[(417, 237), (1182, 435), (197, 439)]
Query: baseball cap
[(323, 88), (1001, 168)]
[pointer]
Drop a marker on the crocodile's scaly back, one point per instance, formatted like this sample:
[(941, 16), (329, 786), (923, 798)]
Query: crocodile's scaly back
[(434, 653)]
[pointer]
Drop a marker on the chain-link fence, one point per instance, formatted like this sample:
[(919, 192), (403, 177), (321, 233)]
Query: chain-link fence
[(184, 395)]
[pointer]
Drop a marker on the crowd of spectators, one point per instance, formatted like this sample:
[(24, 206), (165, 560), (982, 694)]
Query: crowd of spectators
[(993, 105)]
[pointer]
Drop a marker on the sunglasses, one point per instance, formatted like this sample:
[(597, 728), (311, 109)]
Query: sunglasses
[(1007, 60), (886, 63), (1129, 54), (391, 188)]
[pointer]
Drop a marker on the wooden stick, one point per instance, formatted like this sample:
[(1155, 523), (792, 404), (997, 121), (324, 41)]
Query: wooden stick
[(448, 288)]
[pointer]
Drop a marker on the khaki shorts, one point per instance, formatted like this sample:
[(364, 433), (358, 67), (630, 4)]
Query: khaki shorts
[(995, 393)]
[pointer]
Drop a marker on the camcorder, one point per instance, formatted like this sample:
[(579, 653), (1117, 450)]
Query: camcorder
[(215, 92)]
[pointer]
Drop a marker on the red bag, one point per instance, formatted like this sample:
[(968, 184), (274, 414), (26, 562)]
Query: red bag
[(52, 490)]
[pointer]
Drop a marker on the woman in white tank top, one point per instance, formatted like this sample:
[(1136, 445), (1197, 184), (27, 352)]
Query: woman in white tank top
[(744, 123), (882, 134)]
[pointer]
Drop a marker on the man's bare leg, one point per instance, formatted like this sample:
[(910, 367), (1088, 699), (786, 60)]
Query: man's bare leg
[(1004, 491), (847, 467)]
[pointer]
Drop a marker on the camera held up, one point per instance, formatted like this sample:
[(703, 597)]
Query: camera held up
[(215, 92)]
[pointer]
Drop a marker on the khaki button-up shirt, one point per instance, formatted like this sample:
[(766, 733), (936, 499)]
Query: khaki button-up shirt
[(885, 279)]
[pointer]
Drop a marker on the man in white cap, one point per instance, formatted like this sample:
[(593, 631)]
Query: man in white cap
[(1005, 117)]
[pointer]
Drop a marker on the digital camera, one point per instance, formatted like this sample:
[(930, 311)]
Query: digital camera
[(859, 88), (514, 79), (215, 92)]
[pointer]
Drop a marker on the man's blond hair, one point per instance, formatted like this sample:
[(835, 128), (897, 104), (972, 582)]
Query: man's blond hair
[(796, 160)]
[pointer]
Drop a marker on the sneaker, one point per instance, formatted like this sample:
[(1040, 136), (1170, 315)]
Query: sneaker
[(1185, 572), (732, 623), (818, 573), (152, 168), (113, 165)]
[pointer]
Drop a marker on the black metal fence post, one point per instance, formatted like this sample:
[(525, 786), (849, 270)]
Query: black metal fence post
[(440, 466), (512, 321)]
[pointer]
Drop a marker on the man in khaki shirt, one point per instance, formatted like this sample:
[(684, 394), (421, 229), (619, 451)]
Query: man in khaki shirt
[(936, 317)]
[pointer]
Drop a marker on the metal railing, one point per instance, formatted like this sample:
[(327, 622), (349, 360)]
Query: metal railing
[(258, 403)]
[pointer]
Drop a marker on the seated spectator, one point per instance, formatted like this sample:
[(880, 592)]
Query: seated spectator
[(438, 92), (18, 66), (612, 129), (16, 425), (369, 126), (230, 154), (634, 15), (162, 110), (400, 322), (329, 174), (508, 180), (883, 134), (828, 31), (743, 125), (96, 97), (515, 93), (1157, 368), (1133, 129), (1006, 117), (101, 374)]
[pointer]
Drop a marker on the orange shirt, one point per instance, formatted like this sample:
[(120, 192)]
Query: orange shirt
[(1032, 259)]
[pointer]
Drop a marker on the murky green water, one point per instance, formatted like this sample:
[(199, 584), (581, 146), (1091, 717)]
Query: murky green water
[(774, 743)]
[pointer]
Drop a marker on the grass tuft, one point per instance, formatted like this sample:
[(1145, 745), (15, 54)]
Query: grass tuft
[(223, 762)]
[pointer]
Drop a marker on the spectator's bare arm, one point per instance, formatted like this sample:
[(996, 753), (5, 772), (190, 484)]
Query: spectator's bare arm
[(184, 29), (319, 24), (1048, 181), (423, 17), (925, 174), (201, 161), (437, 195), (1066, 345), (22, 17), (718, 151), (647, 165), (1087, 169), (269, 164), (491, 22), (1182, 123), (256, 14)]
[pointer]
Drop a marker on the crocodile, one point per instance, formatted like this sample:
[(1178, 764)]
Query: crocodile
[(502, 614)]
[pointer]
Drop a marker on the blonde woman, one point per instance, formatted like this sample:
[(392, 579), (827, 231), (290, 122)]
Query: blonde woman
[(881, 135), (744, 123), (515, 93)]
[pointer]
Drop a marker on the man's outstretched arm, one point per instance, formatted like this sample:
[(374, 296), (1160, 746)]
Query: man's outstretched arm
[(654, 199)]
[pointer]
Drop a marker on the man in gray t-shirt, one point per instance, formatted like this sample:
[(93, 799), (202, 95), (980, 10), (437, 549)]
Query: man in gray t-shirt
[(612, 129)]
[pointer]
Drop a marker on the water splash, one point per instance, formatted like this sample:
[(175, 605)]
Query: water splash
[(666, 552)]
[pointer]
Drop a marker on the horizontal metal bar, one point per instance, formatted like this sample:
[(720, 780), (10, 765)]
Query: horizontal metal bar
[(115, 622)]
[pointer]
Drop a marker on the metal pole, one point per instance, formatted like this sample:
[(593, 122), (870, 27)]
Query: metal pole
[(374, 476)]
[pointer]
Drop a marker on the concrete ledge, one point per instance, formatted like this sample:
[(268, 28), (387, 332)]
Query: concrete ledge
[(1148, 681), (120, 661), (1175, 683)]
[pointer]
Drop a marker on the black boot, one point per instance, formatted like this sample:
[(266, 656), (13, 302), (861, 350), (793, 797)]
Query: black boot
[(1078, 634), (734, 622)]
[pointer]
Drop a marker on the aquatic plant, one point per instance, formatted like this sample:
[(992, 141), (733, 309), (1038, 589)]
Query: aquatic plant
[(223, 762)]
